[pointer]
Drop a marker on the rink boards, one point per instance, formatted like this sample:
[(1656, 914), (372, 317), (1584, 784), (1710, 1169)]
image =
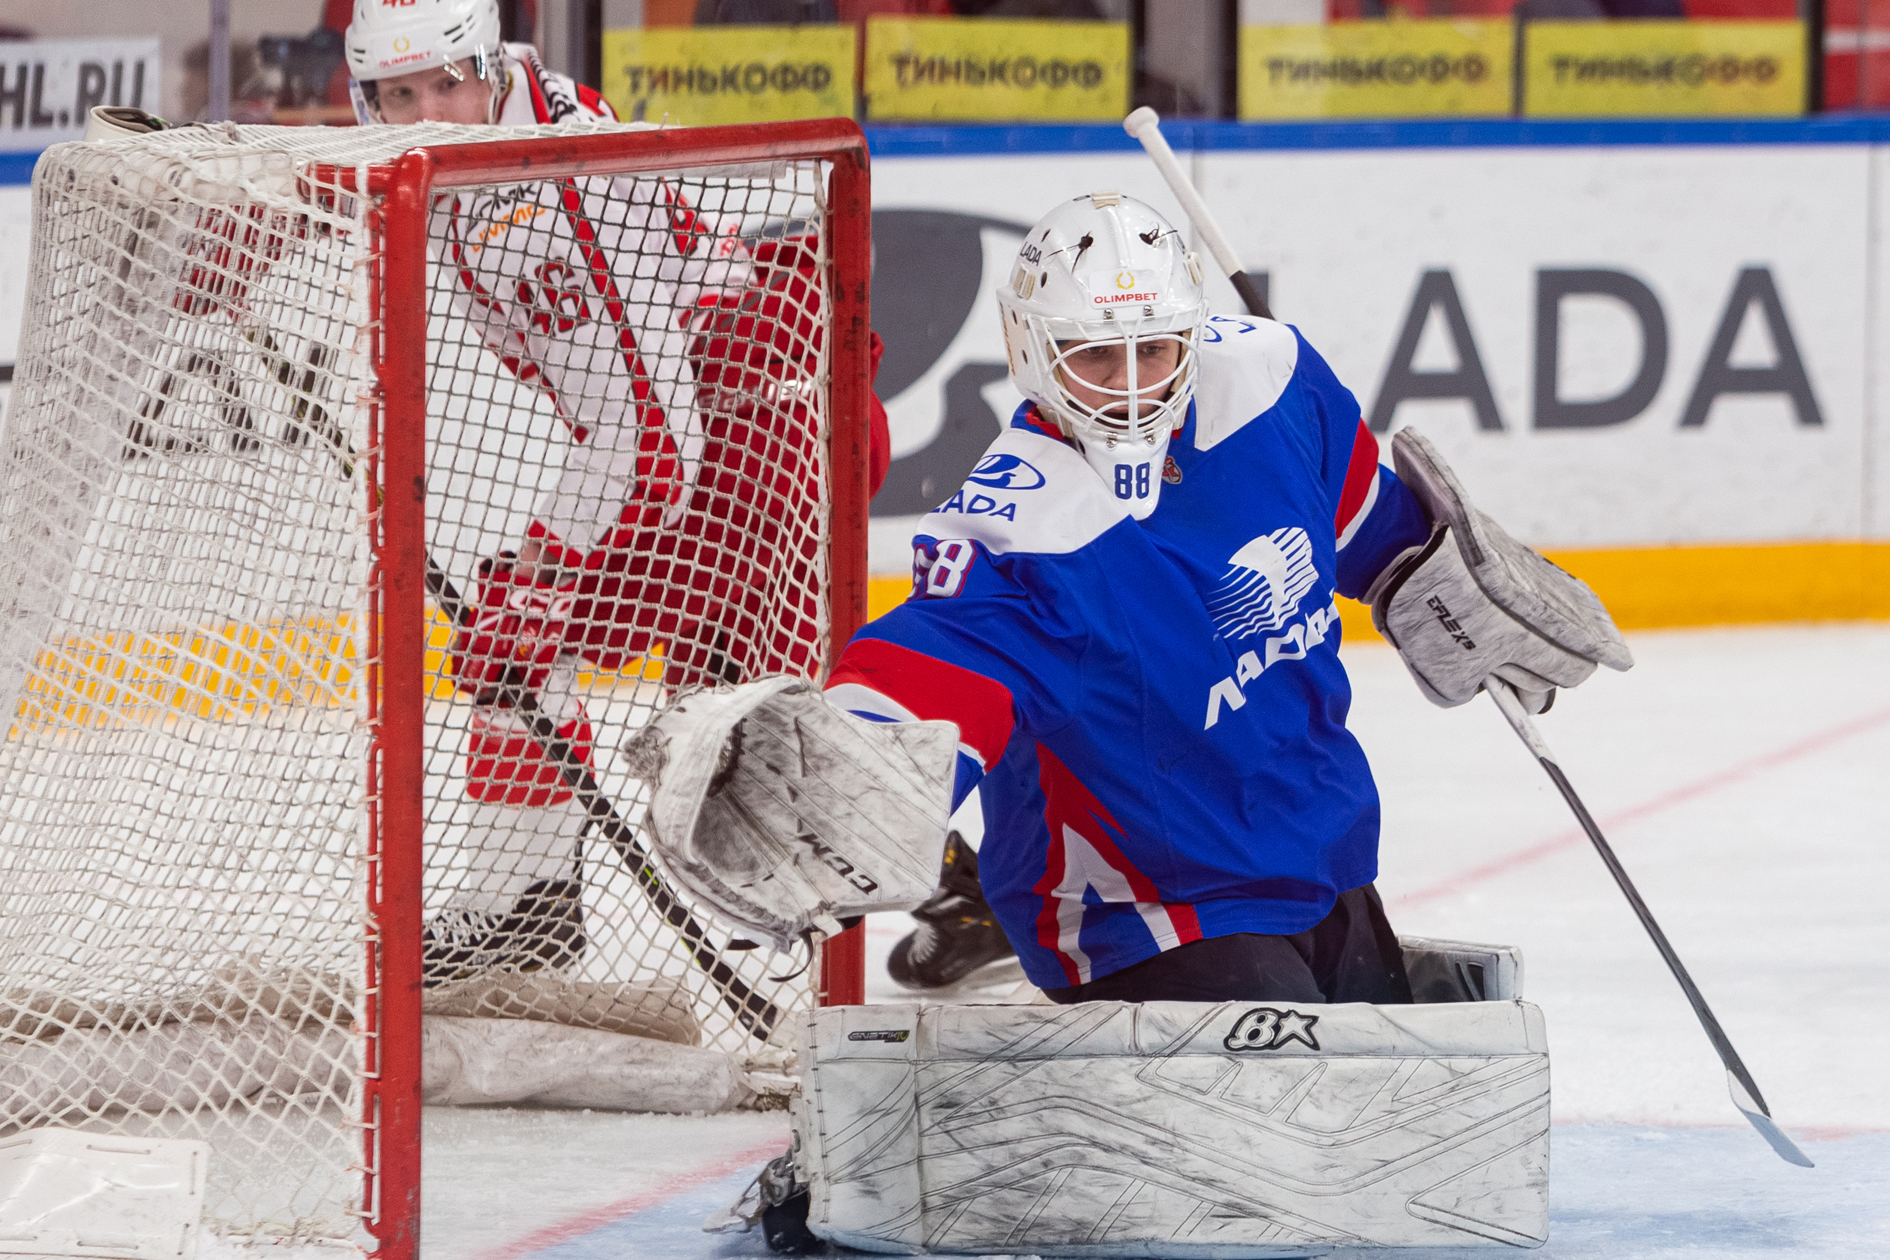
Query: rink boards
[(1647, 348)]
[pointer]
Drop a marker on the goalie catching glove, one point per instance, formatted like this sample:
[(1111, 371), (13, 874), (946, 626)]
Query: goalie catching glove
[(1473, 601), (786, 815)]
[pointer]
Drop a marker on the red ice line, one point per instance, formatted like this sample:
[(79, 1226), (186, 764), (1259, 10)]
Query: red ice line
[(598, 1217), (1574, 836)]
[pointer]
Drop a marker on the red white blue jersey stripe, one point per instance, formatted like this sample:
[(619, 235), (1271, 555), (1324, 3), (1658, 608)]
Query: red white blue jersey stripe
[(1360, 492), (1085, 859)]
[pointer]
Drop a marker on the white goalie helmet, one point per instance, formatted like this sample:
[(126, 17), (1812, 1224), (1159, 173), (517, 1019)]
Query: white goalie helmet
[(1103, 288), (390, 37)]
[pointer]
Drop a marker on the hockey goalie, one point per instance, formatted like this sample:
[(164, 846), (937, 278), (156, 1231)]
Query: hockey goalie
[(1127, 615)]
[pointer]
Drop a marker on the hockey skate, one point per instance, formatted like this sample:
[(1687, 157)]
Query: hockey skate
[(777, 1201), (956, 932), (784, 1204), (543, 932)]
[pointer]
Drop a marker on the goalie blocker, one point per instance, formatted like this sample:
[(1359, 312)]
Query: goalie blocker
[(1473, 601)]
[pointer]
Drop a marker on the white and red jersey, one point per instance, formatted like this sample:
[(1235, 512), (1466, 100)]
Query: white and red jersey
[(584, 289), (676, 356), (534, 93)]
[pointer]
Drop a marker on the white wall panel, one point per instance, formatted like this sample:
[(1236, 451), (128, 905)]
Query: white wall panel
[(1346, 236)]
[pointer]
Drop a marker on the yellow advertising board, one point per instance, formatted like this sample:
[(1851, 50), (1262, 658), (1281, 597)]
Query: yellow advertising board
[(708, 75), (1376, 69), (996, 69), (1583, 69)]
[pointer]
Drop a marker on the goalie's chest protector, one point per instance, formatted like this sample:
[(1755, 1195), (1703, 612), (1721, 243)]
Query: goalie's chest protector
[(1178, 765)]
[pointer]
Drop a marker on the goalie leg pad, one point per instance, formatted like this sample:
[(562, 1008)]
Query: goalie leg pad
[(1475, 602), (1175, 1129), (785, 814)]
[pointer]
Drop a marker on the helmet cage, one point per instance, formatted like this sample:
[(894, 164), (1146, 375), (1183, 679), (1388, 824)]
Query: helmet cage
[(1141, 408), (1126, 415)]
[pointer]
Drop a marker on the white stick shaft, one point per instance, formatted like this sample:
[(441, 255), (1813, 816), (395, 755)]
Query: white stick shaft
[(1511, 704), (1745, 1092), (1146, 125)]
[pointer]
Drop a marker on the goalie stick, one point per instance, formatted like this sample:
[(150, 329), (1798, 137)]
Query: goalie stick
[(1146, 125), (755, 1012), (1744, 1090)]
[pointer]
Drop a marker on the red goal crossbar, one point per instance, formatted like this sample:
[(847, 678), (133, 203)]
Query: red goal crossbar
[(396, 468)]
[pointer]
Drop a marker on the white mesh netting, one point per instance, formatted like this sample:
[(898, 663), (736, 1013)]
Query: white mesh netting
[(626, 392)]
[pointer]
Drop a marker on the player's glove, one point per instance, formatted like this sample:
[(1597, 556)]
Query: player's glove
[(1473, 601), (508, 763), (756, 350), (786, 815), (518, 625)]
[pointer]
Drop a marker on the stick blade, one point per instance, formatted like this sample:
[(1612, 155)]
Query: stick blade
[(1767, 1127)]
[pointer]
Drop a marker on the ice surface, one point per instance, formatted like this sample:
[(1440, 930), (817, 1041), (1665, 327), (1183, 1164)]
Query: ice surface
[(509, 1183), (1617, 1192), (1740, 774)]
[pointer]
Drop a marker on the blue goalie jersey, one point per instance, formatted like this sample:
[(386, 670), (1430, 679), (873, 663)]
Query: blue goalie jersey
[(1155, 711)]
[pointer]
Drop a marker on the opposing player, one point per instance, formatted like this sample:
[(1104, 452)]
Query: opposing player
[(1128, 613), (443, 61), (681, 359)]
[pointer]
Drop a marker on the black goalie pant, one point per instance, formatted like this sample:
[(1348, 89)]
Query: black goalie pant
[(1351, 955)]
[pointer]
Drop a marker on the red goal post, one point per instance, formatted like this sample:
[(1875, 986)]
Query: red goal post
[(406, 191)]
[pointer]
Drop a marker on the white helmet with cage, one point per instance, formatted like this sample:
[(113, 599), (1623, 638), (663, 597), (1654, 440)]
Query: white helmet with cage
[(1102, 289), (388, 38)]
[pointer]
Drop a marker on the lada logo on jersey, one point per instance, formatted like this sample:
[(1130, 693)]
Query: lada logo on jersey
[(1264, 582), (1261, 591), (1005, 472), (978, 505), (1291, 644), (1264, 1028)]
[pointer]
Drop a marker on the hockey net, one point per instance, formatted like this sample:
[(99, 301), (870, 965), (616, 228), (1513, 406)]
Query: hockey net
[(239, 787)]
